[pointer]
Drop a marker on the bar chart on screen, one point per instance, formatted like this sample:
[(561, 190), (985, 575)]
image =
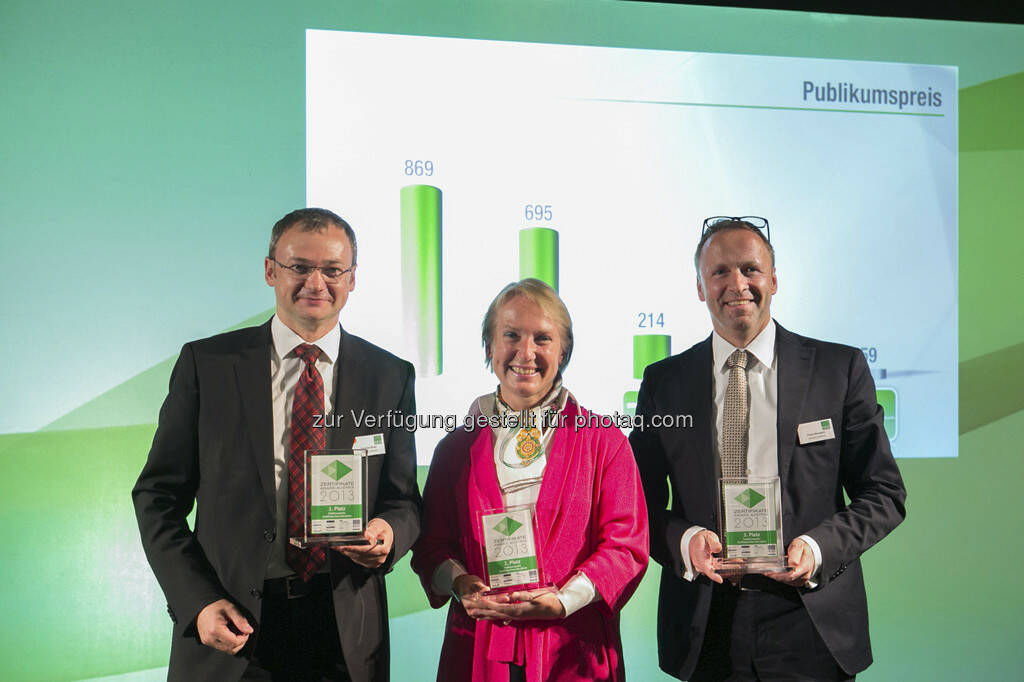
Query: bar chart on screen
[(464, 165)]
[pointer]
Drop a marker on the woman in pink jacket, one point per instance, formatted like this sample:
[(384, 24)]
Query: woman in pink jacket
[(530, 443)]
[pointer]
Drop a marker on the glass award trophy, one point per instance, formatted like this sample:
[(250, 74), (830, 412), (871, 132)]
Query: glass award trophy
[(334, 504), (750, 526), (511, 558)]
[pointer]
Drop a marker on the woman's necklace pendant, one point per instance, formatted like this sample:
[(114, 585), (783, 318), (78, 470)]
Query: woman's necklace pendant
[(528, 445)]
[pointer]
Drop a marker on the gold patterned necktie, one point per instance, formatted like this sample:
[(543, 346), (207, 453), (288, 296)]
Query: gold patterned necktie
[(735, 418)]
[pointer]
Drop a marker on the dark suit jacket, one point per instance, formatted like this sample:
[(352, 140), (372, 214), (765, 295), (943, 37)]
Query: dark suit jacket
[(816, 380), (214, 446)]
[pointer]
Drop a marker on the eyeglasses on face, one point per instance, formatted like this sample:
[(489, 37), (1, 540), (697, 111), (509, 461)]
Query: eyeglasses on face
[(330, 273)]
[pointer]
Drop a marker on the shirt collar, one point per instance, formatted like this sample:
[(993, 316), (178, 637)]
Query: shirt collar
[(762, 347), (285, 340)]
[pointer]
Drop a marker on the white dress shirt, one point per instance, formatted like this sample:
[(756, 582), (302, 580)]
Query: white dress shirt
[(763, 399), (285, 368)]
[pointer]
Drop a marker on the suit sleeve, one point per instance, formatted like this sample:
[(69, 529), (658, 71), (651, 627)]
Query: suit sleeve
[(165, 493), (868, 474), (398, 500), (666, 525)]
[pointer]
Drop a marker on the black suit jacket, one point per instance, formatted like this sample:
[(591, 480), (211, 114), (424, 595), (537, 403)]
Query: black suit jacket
[(816, 380), (214, 447)]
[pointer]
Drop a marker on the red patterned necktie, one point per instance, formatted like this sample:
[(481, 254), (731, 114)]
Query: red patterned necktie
[(308, 401)]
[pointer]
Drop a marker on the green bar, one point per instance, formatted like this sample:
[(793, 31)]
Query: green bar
[(511, 565), (538, 255), (629, 402), (751, 537), (648, 348), (887, 399), (329, 512), (421, 274)]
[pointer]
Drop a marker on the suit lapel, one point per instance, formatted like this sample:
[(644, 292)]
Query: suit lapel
[(701, 397), (351, 386), (692, 394), (252, 371), (794, 371)]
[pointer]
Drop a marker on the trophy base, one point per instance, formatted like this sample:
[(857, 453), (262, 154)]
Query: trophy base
[(746, 565), (533, 587), (305, 542)]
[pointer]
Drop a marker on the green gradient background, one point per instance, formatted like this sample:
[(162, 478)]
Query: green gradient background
[(145, 152)]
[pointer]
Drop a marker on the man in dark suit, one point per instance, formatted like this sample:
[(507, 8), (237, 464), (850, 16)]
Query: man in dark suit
[(244, 605), (811, 622)]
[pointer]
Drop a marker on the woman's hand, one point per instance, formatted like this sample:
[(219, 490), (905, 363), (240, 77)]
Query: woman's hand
[(469, 589), (467, 585), (534, 605), (510, 606)]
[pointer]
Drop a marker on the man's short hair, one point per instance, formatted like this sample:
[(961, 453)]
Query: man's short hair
[(543, 295), (722, 226), (311, 220)]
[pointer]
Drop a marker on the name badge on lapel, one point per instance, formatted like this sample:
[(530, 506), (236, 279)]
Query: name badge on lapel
[(815, 431), (373, 443)]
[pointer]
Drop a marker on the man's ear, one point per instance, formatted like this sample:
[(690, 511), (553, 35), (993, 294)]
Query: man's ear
[(268, 271), (352, 279)]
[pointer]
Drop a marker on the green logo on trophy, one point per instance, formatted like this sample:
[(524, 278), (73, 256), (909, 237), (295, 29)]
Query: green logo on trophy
[(336, 470), (507, 526), (749, 498)]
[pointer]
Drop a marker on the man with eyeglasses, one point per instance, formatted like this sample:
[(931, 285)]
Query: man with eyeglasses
[(241, 408), (754, 390)]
